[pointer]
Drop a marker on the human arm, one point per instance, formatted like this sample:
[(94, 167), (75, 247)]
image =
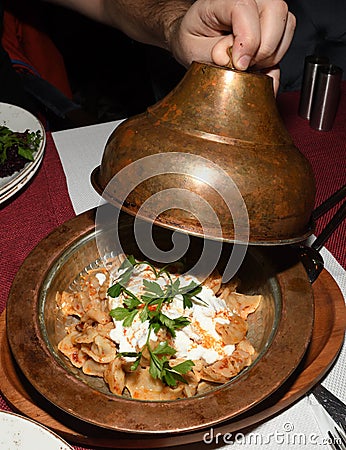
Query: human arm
[(259, 31)]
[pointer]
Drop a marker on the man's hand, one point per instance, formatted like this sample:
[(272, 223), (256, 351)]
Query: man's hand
[(259, 32)]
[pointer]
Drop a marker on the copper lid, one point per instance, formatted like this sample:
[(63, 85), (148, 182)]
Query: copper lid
[(213, 159)]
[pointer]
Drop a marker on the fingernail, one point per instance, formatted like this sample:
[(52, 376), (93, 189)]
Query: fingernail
[(243, 62)]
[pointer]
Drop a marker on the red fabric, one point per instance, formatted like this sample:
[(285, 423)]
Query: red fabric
[(326, 152), (25, 42), (38, 209)]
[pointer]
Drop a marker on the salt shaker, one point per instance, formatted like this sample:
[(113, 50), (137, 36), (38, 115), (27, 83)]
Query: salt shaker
[(312, 65), (326, 97)]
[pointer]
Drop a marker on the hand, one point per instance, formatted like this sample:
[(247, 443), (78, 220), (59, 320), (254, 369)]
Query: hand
[(259, 32)]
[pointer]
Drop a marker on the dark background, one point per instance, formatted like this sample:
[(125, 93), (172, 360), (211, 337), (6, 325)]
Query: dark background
[(113, 77)]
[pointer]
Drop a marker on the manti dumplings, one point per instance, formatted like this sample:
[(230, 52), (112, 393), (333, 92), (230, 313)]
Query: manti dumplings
[(155, 334)]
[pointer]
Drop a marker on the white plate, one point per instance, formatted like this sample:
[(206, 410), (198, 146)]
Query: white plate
[(21, 433), (18, 119)]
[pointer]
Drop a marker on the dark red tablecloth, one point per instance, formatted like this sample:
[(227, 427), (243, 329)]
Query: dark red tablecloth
[(44, 203), (326, 152), (36, 210)]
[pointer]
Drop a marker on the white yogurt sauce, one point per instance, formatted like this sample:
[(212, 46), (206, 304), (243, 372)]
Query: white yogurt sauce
[(198, 340)]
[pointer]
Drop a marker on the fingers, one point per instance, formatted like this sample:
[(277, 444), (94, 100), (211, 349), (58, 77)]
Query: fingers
[(274, 73), (244, 35), (277, 29), (261, 33)]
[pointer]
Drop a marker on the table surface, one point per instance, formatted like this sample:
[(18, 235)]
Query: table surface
[(61, 189)]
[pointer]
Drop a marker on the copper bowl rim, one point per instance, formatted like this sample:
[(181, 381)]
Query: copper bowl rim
[(95, 182), (74, 397)]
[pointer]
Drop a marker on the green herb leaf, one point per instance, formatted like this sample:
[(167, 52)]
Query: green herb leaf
[(152, 290), (119, 313), (190, 291), (134, 366), (172, 290), (115, 290), (26, 143), (124, 314), (130, 318), (127, 267), (171, 378), (151, 302), (131, 301), (181, 322), (127, 354), (138, 357), (173, 324), (156, 366), (26, 153), (156, 327), (160, 368), (164, 349), (184, 366), (144, 314)]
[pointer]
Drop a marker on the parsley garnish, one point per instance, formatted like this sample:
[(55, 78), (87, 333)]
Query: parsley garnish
[(160, 368), (149, 307), (150, 303), (159, 363), (26, 143)]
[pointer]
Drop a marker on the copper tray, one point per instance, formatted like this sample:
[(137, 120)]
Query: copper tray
[(327, 339), (61, 238)]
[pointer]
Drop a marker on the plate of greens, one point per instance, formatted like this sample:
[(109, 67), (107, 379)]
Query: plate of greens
[(22, 144)]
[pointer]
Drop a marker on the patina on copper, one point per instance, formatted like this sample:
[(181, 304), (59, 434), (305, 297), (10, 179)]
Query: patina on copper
[(281, 336), (230, 119)]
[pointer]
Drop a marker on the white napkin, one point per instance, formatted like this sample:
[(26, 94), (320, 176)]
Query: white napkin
[(80, 151), (324, 420)]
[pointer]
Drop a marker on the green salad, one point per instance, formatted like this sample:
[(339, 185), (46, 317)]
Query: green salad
[(16, 149)]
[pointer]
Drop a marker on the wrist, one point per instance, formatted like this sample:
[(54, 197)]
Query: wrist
[(174, 40), (172, 35)]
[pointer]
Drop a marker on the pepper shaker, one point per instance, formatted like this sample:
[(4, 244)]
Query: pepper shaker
[(326, 97), (312, 65)]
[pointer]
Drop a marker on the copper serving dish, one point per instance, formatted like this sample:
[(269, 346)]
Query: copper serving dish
[(218, 151), (280, 331), (216, 140)]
